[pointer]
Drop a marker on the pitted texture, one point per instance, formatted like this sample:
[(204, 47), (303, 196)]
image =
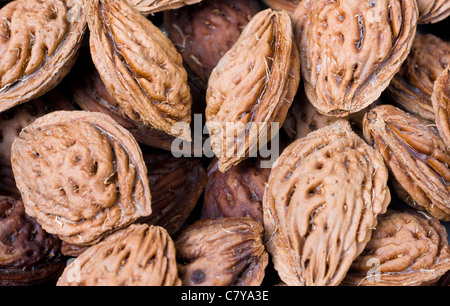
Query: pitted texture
[(407, 248), (287, 5), (252, 87), (204, 33), (432, 11), (237, 192), (28, 254), (5, 2), (148, 7), (416, 155), (321, 204), (303, 118), (222, 252), (139, 255), (177, 184), (89, 92), (80, 175), (444, 280), (441, 104), (7, 182), (15, 119), (412, 87), (350, 51), (72, 250), (140, 67), (39, 42)]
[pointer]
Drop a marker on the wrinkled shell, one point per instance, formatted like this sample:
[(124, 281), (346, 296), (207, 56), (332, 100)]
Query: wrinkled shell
[(39, 42), (7, 182), (81, 175), (416, 156), (89, 92), (13, 121), (222, 252), (441, 104), (148, 7), (237, 192), (249, 93), (72, 250), (303, 118), (432, 11), (407, 248), (176, 184), (141, 68), (16, 118), (287, 5), (412, 87), (139, 255), (198, 92), (28, 255), (350, 51), (321, 204), (204, 33)]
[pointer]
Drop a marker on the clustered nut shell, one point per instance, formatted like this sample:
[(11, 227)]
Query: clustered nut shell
[(322, 201), (287, 5), (140, 255), (176, 185), (416, 156), (15, 119), (259, 89), (140, 67), (408, 248), (224, 143), (432, 11), (236, 241), (81, 175), (90, 94), (303, 118), (349, 53), (147, 7), (204, 33), (237, 192)]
